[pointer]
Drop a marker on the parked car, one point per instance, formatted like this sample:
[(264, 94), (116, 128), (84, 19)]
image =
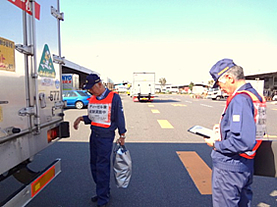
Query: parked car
[(76, 98)]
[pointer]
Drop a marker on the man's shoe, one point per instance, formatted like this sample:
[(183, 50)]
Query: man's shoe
[(94, 199)]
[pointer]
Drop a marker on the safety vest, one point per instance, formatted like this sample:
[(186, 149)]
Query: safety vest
[(259, 118), (99, 111)]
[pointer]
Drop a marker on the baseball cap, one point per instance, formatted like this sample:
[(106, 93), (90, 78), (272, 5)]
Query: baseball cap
[(91, 80), (220, 68)]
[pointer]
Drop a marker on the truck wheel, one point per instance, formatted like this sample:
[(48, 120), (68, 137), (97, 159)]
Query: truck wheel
[(79, 105), (218, 98)]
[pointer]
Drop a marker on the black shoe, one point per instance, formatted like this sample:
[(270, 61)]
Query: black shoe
[(94, 198)]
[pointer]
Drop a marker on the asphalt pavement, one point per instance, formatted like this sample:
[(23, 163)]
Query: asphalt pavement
[(159, 177)]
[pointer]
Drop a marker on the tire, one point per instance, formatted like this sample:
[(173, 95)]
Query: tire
[(79, 105), (218, 98)]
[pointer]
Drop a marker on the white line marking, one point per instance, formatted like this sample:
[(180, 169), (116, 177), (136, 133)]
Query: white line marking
[(206, 105)]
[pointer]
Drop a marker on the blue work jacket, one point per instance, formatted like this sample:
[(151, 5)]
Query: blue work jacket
[(117, 119), (238, 133)]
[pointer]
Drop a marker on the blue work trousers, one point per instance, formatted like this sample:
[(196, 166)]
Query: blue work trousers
[(231, 189), (100, 163)]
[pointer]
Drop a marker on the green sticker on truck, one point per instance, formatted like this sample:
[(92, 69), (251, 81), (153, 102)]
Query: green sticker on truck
[(46, 67)]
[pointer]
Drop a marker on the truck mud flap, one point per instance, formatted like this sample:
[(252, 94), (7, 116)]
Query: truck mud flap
[(25, 194), (64, 131)]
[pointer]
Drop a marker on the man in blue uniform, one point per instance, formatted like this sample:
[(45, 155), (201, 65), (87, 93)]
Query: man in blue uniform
[(105, 115), (234, 143)]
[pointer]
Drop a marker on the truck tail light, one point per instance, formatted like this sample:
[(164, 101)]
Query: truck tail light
[(61, 131), (52, 134)]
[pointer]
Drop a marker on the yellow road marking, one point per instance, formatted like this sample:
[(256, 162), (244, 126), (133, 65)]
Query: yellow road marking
[(155, 111), (165, 124), (198, 170), (274, 109), (150, 105), (178, 104), (270, 136)]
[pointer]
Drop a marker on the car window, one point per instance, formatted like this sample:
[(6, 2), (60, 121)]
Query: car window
[(82, 93), (72, 94), (65, 94)]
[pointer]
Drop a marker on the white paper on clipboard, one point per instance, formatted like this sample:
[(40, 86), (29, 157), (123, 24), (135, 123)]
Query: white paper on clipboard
[(201, 131)]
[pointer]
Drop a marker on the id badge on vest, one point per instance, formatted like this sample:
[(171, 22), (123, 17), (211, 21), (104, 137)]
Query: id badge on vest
[(100, 114), (260, 119)]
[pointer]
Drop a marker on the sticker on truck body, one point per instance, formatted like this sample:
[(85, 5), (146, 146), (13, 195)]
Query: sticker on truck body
[(46, 67), (7, 56)]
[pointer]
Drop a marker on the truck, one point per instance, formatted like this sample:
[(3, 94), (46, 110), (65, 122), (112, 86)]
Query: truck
[(143, 87), (31, 107), (216, 94), (70, 81)]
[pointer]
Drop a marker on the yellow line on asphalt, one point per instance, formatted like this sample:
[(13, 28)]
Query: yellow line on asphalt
[(198, 170), (270, 136), (165, 124), (155, 111), (151, 105), (178, 104)]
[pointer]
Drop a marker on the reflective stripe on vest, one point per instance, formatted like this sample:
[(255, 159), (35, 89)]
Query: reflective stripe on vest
[(99, 111), (260, 118)]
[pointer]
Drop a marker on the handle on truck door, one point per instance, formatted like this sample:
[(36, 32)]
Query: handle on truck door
[(4, 102)]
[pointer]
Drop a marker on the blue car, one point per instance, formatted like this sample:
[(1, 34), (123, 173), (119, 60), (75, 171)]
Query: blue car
[(76, 98)]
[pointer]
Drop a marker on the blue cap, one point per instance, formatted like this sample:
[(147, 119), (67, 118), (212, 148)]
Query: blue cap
[(220, 68), (91, 80)]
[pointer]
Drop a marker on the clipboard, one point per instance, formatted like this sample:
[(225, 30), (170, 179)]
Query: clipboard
[(201, 131)]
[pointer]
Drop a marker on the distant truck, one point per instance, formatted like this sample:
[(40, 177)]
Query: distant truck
[(31, 106), (70, 81), (172, 89), (121, 88), (216, 94), (143, 87)]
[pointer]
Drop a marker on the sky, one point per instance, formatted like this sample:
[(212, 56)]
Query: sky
[(179, 40)]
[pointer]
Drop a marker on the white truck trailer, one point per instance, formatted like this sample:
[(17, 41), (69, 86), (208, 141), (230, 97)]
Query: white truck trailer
[(31, 107), (143, 87)]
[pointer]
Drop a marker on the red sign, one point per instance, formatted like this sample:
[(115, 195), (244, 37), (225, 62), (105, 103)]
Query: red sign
[(25, 5)]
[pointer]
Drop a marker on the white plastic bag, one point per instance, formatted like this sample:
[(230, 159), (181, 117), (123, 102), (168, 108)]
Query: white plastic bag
[(122, 166)]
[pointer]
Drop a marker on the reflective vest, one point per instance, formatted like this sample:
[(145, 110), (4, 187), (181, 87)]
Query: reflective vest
[(260, 120), (99, 111)]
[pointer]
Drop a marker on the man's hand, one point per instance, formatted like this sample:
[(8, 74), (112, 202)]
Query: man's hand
[(77, 122), (215, 136), (210, 142), (121, 141)]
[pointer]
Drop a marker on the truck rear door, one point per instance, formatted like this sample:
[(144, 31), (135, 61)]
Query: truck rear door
[(30, 79)]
